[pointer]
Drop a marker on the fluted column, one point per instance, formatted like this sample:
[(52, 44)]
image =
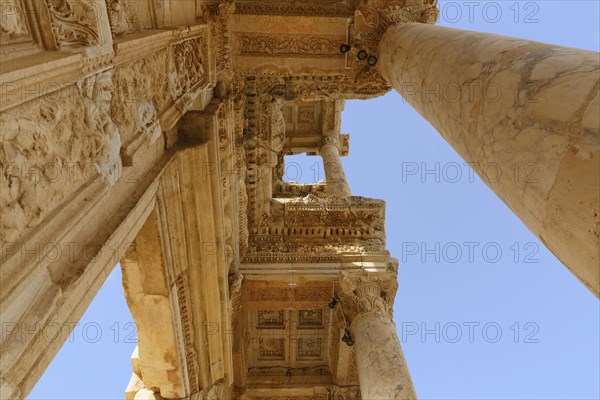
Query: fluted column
[(337, 185), (367, 300), (524, 114)]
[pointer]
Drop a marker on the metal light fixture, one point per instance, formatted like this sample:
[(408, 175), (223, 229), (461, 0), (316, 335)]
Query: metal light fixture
[(344, 48), (347, 338), (333, 303)]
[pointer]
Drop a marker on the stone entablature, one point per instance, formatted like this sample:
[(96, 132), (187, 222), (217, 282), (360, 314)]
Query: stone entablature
[(317, 229)]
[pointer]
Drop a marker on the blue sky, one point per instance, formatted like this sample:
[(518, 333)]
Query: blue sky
[(507, 321)]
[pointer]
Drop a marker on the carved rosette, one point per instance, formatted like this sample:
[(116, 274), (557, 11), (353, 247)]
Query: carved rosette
[(367, 292)]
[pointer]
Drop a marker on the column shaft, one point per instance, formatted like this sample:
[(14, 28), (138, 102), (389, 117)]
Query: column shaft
[(337, 185), (382, 369), (525, 114), (367, 299)]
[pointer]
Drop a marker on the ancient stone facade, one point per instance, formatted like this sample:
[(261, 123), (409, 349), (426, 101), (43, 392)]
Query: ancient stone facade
[(153, 133)]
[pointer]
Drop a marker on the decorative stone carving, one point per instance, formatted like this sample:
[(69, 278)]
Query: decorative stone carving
[(310, 318), (286, 45), (185, 314), (325, 87), (345, 393), (367, 292), (264, 250), (74, 22), (362, 216), (284, 371), (147, 121), (291, 189), (309, 348), (105, 146), (292, 9), (220, 20), (287, 294), (13, 24), (271, 349), (122, 17), (235, 293), (145, 80), (189, 59)]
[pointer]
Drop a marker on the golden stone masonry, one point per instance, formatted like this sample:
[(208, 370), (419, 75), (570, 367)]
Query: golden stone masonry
[(153, 132)]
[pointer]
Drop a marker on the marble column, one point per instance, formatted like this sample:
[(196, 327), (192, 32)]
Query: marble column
[(337, 185), (524, 115), (367, 299)]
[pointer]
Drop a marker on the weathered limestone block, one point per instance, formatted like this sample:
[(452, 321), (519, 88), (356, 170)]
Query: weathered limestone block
[(48, 278), (148, 296), (141, 95), (525, 114), (53, 145)]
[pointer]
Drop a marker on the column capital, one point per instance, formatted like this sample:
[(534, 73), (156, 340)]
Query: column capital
[(367, 292), (331, 140), (372, 20)]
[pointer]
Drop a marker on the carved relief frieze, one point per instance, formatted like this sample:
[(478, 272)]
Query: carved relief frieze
[(228, 177), (287, 45), (74, 22), (235, 294), (362, 215), (13, 24), (147, 121), (330, 87), (284, 371), (293, 9), (304, 293), (122, 16), (290, 189), (54, 145), (141, 94), (264, 250), (190, 66), (187, 331), (105, 146), (220, 20), (345, 393)]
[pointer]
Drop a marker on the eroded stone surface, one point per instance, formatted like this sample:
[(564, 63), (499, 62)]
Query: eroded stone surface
[(525, 114)]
